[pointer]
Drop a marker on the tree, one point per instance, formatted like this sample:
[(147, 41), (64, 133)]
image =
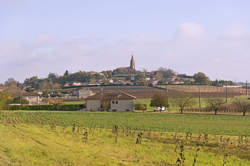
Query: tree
[(11, 82), (201, 78), (4, 100), (184, 102), (242, 104), (140, 79), (52, 76), (215, 104), (166, 72), (159, 100), (66, 73), (19, 100), (142, 107)]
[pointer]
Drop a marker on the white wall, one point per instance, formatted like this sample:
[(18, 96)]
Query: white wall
[(122, 105), (93, 105)]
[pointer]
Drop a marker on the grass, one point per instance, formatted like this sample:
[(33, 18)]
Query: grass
[(197, 123), (37, 138), (73, 102), (28, 145)]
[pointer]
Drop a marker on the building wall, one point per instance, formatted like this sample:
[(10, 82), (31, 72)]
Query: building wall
[(34, 100), (83, 93), (93, 105), (122, 105)]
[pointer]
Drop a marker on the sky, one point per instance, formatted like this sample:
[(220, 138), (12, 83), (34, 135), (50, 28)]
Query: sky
[(42, 36)]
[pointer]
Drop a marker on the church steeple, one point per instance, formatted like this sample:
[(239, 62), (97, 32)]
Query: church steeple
[(132, 64)]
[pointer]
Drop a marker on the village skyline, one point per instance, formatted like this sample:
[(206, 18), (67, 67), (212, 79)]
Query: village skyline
[(151, 76)]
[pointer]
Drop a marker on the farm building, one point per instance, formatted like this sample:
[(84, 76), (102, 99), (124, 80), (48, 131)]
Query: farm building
[(83, 93), (114, 101)]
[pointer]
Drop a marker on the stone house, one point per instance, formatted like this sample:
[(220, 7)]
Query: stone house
[(112, 101)]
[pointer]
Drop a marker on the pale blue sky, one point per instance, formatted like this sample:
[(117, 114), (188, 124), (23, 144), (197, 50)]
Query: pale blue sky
[(42, 36)]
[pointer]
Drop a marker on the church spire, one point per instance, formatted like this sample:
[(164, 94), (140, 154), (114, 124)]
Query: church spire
[(132, 64)]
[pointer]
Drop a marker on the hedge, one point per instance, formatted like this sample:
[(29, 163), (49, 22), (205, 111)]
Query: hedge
[(140, 106), (70, 107)]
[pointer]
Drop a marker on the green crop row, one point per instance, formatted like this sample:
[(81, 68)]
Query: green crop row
[(68, 107)]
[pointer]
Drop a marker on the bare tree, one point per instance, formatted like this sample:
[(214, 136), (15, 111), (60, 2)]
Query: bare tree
[(215, 104), (242, 104), (184, 102), (159, 100)]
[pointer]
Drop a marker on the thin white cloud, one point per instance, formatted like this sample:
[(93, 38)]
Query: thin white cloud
[(191, 49)]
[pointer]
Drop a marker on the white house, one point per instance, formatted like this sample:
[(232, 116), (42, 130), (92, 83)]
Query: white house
[(34, 100), (115, 101), (76, 83)]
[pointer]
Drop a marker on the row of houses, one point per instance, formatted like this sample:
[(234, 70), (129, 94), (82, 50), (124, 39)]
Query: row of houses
[(113, 101)]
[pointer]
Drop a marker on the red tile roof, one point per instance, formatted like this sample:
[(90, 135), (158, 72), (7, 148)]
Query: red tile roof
[(119, 95)]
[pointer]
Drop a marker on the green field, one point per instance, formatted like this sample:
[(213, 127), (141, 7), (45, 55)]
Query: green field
[(197, 123), (38, 138), (74, 102)]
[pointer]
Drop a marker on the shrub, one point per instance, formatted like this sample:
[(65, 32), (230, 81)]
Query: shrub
[(140, 106)]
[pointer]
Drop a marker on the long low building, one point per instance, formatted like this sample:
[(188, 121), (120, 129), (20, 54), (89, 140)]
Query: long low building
[(116, 102)]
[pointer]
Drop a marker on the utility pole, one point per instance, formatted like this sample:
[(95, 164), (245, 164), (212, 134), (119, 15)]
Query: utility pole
[(199, 97), (246, 88), (167, 92), (226, 94)]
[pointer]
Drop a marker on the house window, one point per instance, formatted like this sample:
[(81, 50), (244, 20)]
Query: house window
[(114, 102)]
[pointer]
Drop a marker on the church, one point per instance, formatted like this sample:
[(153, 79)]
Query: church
[(132, 64), (126, 70)]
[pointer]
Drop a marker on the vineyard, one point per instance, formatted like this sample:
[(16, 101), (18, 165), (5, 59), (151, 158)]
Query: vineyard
[(138, 91), (174, 90), (76, 138), (203, 90)]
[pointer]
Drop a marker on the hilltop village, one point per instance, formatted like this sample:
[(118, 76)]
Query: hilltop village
[(83, 84)]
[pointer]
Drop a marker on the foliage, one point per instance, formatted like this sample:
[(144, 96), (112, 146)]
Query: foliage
[(164, 73), (159, 100), (140, 79), (201, 78), (221, 82), (19, 100), (141, 107), (53, 101), (184, 102), (242, 104), (215, 104), (68, 107), (4, 100)]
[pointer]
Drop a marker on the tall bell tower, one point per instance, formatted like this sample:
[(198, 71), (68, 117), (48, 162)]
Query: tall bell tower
[(132, 64)]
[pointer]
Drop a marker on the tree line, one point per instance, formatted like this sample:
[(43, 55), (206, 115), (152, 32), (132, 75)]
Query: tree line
[(240, 103)]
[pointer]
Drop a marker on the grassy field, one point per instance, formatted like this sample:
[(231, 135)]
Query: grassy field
[(27, 145), (34, 138), (197, 123)]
